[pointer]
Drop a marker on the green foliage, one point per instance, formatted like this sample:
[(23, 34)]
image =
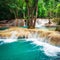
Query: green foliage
[(42, 11), (10, 9), (58, 28), (58, 10), (56, 20), (57, 17), (4, 11)]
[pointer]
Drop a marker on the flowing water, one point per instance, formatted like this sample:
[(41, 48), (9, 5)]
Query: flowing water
[(31, 48), (40, 24), (28, 50)]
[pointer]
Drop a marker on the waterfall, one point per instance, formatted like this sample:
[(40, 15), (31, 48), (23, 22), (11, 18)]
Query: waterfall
[(48, 49), (40, 23), (12, 38)]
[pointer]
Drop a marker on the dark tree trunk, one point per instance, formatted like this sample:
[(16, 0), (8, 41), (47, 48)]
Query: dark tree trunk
[(36, 10), (31, 20)]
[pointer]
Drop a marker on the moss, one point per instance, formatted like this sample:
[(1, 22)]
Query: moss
[(56, 20), (58, 28)]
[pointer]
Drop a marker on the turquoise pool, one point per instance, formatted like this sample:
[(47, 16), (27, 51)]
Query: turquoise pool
[(24, 50)]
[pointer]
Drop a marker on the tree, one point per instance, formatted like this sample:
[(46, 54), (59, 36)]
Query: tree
[(5, 13), (16, 6), (42, 11), (32, 8), (58, 17)]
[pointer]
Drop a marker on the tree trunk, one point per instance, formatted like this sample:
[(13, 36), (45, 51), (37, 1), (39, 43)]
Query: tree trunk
[(16, 18), (31, 20), (36, 8)]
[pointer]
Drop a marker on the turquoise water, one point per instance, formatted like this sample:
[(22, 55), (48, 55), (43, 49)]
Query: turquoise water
[(3, 28), (24, 50)]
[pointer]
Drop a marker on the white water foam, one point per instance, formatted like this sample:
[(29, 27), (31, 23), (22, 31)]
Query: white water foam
[(13, 38), (40, 23), (7, 41), (48, 49)]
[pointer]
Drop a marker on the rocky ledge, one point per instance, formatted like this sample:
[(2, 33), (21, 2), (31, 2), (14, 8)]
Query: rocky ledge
[(53, 37)]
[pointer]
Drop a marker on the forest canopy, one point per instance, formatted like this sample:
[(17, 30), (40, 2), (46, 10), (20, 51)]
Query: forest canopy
[(11, 9)]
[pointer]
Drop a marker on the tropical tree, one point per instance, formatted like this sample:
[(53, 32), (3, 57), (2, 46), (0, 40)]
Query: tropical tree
[(16, 7), (32, 8), (42, 11), (58, 17)]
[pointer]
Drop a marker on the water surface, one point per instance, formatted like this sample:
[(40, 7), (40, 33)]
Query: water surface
[(25, 50)]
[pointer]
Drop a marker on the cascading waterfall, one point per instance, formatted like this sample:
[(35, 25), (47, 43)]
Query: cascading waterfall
[(34, 37), (48, 49), (12, 38), (41, 23), (28, 47)]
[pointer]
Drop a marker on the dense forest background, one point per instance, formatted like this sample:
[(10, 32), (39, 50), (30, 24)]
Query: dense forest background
[(11, 9)]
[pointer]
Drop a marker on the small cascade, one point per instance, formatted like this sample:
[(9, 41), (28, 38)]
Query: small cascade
[(33, 35), (10, 39), (40, 23), (48, 49), (13, 36), (36, 36)]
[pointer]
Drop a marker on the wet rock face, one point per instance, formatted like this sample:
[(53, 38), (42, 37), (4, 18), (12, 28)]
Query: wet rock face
[(20, 32), (53, 36), (54, 39), (46, 33)]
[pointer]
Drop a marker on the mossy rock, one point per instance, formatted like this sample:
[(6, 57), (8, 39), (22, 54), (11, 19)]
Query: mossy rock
[(56, 20), (58, 28)]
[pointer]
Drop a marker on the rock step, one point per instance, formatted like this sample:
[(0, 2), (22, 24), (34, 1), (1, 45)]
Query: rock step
[(54, 36)]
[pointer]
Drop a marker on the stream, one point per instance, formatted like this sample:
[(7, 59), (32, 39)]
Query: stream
[(31, 48)]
